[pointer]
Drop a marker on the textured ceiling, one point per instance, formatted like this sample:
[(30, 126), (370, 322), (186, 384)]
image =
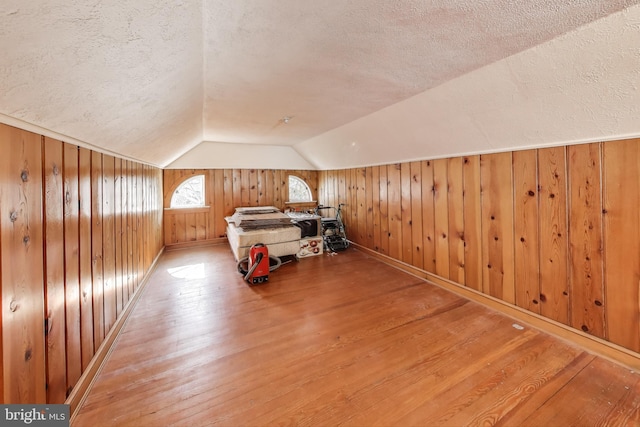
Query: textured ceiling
[(326, 63), (151, 79)]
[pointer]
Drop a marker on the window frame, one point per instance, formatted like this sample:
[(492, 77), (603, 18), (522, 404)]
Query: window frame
[(177, 187), (304, 182)]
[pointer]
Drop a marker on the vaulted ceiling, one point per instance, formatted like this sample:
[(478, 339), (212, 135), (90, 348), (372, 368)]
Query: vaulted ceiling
[(319, 84)]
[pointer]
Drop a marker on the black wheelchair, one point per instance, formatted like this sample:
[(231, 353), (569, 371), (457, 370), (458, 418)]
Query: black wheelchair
[(333, 230)]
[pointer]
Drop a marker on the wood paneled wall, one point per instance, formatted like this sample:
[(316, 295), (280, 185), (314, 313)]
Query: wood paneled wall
[(225, 190), (555, 231), (79, 231)]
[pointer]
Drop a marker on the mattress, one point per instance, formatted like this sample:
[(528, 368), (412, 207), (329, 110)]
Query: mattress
[(280, 241), (247, 220)]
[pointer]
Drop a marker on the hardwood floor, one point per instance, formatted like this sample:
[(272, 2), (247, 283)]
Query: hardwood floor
[(339, 340)]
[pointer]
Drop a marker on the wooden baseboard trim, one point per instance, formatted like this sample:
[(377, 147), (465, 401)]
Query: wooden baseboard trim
[(594, 345), (82, 387), (195, 244)]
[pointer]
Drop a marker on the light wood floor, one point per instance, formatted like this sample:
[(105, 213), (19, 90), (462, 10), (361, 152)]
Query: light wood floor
[(339, 340)]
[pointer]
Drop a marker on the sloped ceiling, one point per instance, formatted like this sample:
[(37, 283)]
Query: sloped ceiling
[(209, 84)]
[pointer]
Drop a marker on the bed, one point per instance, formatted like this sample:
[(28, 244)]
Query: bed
[(266, 224)]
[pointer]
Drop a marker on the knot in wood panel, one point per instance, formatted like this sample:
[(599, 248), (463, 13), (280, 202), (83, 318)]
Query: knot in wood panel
[(24, 175)]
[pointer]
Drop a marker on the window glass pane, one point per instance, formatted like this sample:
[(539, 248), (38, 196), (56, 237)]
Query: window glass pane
[(298, 190), (189, 194)]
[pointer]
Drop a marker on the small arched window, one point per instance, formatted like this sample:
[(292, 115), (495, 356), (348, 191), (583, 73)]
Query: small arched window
[(299, 191), (189, 194)]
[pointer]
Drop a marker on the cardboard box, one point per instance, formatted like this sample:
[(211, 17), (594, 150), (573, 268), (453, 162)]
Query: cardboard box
[(310, 247)]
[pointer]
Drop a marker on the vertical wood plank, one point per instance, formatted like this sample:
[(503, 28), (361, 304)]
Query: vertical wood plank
[(472, 223), (153, 212), (585, 239), (441, 217), (190, 224), (129, 228), (375, 206), (334, 190), (554, 280), (355, 225), (135, 207), (237, 188), (148, 217), (269, 186), (428, 217), (54, 270), (145, 219), (180, 227), (362, 209), (117, 214), (346, 211), (201, 226), (527, 251), (455, 200), (228, 197), (245, 187), (108, 240), (383, 188), (170, 234), (395, 211), (339, 187), (343, 197), (621, 169), (124, 177), (405, 208), (328, 190), (322, 188), (416, 215), (157, 211), (497, 226), (139, 225), (356, 211), (86, 284), (168, 189), (369, 229), (283, 177), (72, 263), (280, 189), (352, 203), (97, 248), (22, 279), (253, 187), (342, 187), (313, 184), (219, 224)]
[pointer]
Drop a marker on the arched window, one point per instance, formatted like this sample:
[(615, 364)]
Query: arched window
[(299, 191), (190, 194)]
